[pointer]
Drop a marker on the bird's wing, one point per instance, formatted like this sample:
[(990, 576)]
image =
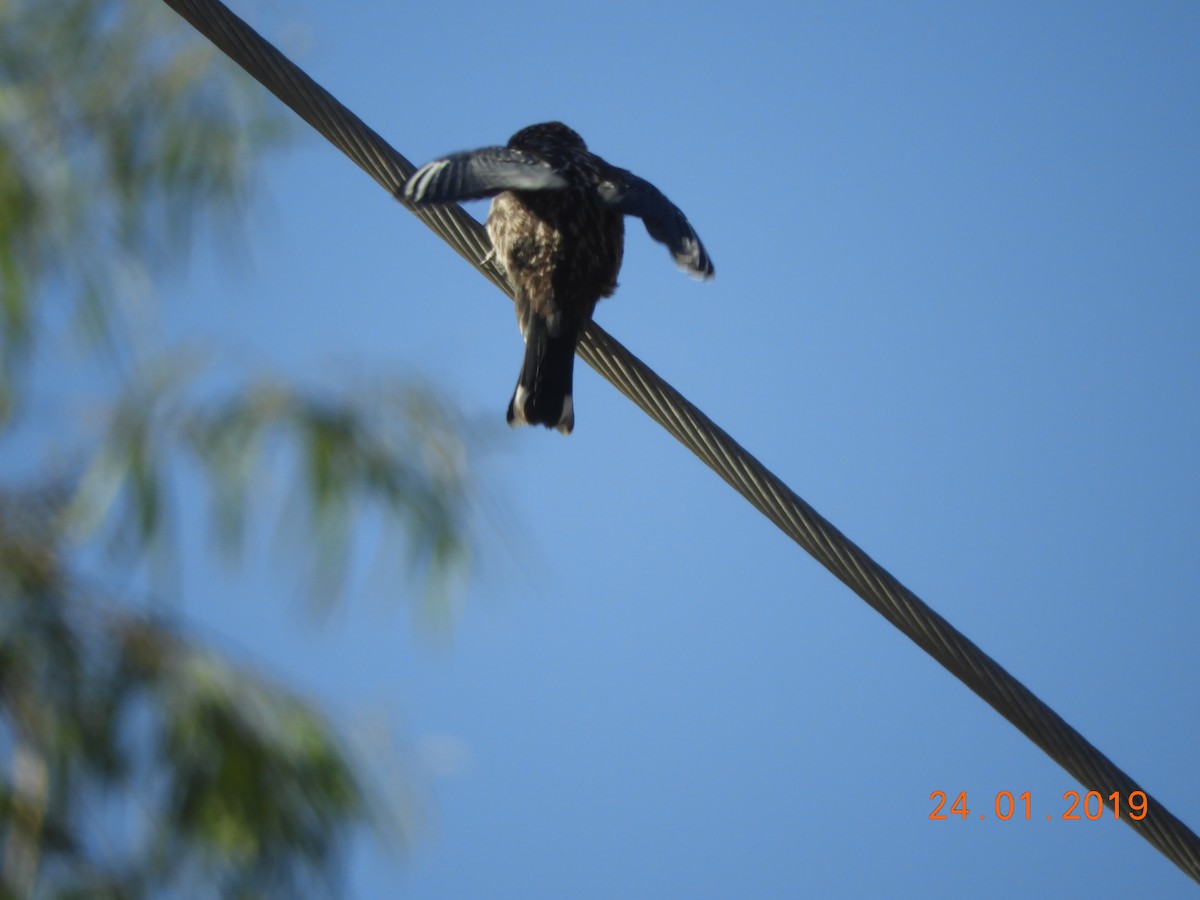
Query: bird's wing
[(626, 193), (481, 173)]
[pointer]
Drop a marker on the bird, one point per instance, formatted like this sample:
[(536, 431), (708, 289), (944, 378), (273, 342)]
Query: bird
[(557, 226)]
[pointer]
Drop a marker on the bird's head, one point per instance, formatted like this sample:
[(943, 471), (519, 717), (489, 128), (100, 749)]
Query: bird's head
[(546, 136)]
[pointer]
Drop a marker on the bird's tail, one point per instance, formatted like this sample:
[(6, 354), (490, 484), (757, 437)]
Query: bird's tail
[(543, 393)]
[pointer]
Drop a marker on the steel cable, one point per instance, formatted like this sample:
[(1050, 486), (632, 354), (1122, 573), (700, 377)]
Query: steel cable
[(714, 447)]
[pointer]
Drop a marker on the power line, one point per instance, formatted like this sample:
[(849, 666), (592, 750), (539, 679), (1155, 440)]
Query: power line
[(718, 450)]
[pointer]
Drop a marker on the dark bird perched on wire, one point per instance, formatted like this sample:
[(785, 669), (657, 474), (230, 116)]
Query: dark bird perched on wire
[(557, 227)]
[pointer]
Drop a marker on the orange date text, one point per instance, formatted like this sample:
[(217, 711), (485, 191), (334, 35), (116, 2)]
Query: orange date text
[(1004, 805)]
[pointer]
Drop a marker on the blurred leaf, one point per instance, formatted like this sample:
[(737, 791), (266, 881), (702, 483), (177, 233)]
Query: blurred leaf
[(133, 761), (117, 137), (254, 789), (384, 447), (254, 776)]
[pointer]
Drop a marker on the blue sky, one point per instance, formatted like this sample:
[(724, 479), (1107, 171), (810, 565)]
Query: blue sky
[(956, 309)]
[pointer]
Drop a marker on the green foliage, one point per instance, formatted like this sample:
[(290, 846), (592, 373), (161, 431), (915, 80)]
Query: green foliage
[(117, 134), (134, 761), (239, 783), (390, 448)]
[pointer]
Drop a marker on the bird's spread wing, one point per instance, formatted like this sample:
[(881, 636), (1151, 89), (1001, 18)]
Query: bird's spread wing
[(481, 173), (626, 193)]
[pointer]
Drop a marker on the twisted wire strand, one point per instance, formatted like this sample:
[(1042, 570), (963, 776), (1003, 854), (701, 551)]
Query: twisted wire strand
[(713, 446)]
